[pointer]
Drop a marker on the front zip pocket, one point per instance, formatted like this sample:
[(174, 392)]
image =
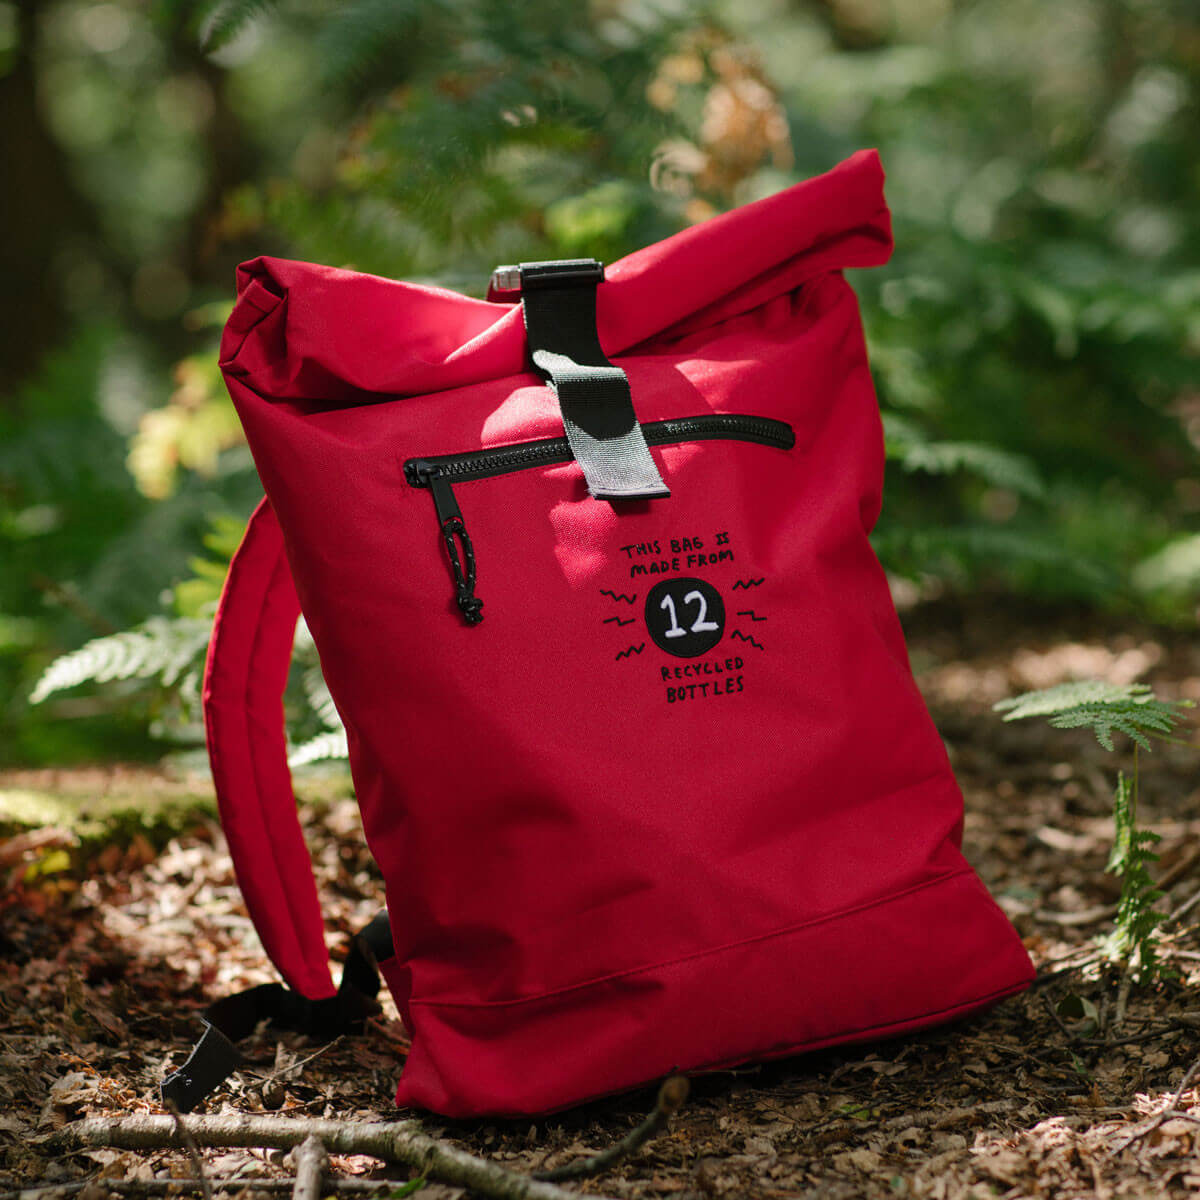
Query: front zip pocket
[(439, 472)]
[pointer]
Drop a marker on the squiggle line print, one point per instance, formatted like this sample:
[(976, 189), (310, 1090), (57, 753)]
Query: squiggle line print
[(619, 595), (632, 650), (737, 633), (747, 583), (749, 612), (610, 620)]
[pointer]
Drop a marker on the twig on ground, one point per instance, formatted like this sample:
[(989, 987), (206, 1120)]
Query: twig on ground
[(1185, 908), (1165, 1032), (1123, 995), (290, 1071), (1170, 1111), (394, 1141), (310, 1167), (1064, 966), (172, 1185), (671, 1097), (189, 1144), (1071, 1037), (1086, 916), (1180, 870)]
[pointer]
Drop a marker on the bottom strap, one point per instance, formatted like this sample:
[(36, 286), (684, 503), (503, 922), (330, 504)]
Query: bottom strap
[(215, 1057)]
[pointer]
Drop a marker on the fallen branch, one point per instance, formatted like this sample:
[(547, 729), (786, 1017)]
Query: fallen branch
[(397, 1141), (173, 1186), (189, 1144), (671, 1096), (310, 1167)]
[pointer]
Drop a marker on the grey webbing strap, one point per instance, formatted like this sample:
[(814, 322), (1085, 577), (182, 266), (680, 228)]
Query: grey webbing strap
[(602, 428)]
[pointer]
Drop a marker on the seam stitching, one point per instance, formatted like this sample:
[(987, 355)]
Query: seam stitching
[(714, 950)]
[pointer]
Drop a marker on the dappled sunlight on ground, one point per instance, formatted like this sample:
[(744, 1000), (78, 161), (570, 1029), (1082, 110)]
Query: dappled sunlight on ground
[(103, 968)]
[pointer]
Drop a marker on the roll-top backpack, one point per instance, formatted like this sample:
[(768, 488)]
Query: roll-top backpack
[(630, 716)]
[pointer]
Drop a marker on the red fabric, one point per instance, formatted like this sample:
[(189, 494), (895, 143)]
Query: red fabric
[(591, 880), (244, 679)]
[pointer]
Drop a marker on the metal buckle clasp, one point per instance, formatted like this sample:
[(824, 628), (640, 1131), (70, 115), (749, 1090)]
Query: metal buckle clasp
[(508, 281)]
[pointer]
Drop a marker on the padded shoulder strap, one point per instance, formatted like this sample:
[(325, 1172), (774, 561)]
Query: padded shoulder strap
[(244, 681)]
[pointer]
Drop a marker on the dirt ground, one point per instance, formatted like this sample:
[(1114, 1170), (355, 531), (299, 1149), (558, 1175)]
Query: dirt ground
[(102, 969)]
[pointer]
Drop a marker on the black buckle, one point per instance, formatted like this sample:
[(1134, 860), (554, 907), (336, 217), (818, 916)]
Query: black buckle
[(508, 282)]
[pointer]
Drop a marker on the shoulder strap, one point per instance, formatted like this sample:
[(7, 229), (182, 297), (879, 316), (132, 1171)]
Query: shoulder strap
[(244, 680)]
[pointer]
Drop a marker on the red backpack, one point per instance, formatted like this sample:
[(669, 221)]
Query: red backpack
[(630, 716)]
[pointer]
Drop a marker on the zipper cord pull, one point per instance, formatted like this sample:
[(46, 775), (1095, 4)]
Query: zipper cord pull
[(470, 605), (459, 549)]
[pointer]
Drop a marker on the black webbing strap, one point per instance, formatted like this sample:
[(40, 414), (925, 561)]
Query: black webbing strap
[(597, 409), (215, 1057)]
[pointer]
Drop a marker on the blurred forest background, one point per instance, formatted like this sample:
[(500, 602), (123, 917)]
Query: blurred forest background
[(1035, 340)]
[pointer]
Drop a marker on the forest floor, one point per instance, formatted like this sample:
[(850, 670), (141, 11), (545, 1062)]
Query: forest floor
[(106, 953)]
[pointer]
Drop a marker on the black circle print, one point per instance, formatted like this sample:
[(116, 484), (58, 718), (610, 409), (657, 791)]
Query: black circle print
[(685, 617)]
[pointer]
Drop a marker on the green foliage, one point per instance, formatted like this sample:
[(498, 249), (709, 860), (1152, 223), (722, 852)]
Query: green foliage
[(198, 595), (1134, 710), (1134, 938), (1104, 708), (1174, 569), (315, 724), (162, 649), (911, 446), (166, 654), (322, 747), (225, 19), (1029, 558), (1034, 339)]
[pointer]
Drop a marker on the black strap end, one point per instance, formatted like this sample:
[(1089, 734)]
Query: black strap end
[(213, 1059)]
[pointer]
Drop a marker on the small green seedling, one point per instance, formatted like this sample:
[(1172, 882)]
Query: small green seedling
[(1132, 710)]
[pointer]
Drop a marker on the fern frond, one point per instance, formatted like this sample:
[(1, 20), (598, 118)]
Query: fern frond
[(323, 746), (227, 18), (1105, 719), (909, 445), (316, 692), (367, 32), (1134, 938), (1104, 708), (159, 648)]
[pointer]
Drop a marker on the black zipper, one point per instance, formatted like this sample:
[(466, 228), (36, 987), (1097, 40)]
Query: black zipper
[(439, 472)]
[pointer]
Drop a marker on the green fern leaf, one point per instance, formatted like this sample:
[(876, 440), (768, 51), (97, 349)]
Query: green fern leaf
[(909, 445), (1064, 696), (227, 18), (1134, 937), (323, 746), (316, 692), (160, 648), (1104, 708), (367, 32)]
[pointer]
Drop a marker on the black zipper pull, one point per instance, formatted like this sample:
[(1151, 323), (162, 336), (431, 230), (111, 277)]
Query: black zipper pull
[(454, 533)]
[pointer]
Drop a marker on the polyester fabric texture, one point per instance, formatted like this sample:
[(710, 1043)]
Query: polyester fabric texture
[(612, 847)]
